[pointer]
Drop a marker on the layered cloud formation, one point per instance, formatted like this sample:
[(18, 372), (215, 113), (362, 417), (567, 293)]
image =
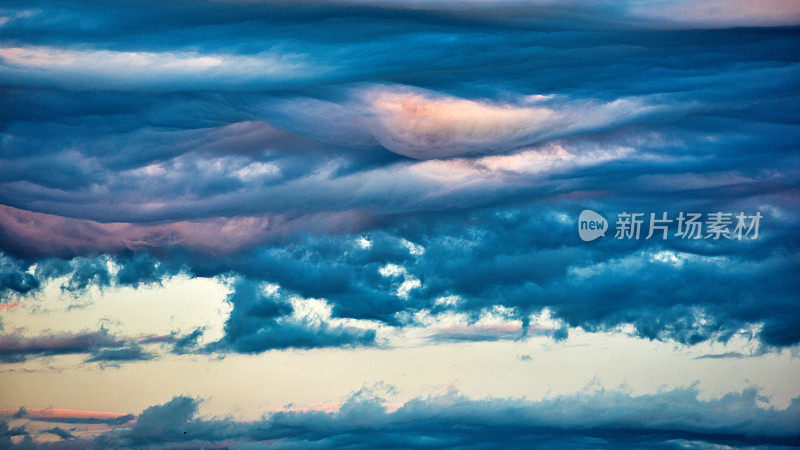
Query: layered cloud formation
[(602, 419), (373, 176), (388, 159)]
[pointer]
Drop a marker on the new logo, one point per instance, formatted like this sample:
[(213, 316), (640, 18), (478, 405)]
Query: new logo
[(591, 225)]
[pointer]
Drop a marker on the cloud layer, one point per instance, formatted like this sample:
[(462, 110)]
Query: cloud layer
[(603, 419), (379, 157)]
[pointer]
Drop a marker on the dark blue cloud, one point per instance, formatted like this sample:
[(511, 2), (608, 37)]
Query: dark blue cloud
[(14, 277), (529, 260), (184, 344), (524, 259), (132, 352), (261, 140), (261, 321), (161, 423)]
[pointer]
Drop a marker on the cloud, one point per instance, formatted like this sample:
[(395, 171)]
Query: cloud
[(479, 333), (14, 278), (160, 423), (60, 432), (68, 416), (50, 234), (723, 14), (261, 141), (133, 352), (261, 321), (65, 67), (185, 343), (602, 419), (425, 125), (15, 348), (101, 346), (45, 234), (736, 355), (518, 259), (524, 260)]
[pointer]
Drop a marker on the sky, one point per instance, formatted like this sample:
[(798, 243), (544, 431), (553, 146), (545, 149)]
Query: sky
[(357, 224)]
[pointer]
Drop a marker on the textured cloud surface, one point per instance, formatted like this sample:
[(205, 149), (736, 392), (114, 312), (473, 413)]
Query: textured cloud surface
[(364, 174), (229, 139), (604, 419)]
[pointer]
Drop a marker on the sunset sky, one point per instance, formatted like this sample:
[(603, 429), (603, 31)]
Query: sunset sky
[(355, 223)]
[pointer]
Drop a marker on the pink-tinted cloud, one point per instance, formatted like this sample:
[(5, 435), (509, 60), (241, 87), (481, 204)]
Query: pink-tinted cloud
[(18, 348), (427, 125), (423, 126), (723, 13), (42, 234)]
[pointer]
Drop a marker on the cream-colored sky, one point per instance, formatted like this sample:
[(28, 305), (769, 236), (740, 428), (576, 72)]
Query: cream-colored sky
[(245, 386)]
